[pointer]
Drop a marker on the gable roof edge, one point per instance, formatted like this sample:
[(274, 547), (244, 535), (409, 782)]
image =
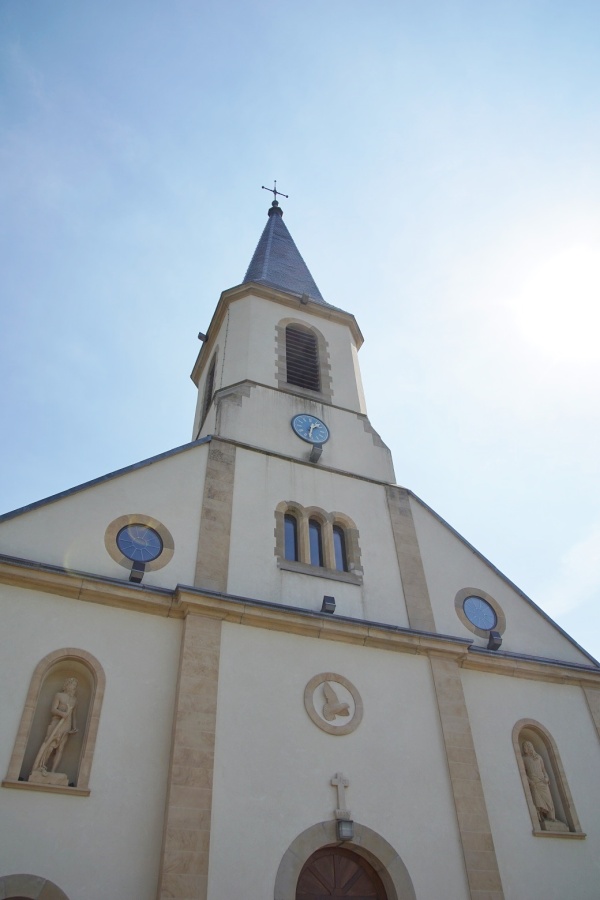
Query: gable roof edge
[(504, 577), (54, 498)]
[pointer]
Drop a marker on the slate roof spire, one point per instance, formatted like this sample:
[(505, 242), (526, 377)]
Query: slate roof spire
[(277, 261)]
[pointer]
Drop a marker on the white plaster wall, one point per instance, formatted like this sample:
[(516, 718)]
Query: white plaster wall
[(261, 482), (264, 420), (531, 867), (273, 765), (206, 354), (108, 844), (247, 342), (450, 566), (70, 532)]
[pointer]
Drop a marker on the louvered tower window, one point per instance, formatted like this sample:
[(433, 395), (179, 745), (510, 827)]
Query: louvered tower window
[(302, 358), (209, 387)]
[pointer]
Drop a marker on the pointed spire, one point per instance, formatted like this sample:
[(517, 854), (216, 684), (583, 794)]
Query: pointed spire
[(277, 261)]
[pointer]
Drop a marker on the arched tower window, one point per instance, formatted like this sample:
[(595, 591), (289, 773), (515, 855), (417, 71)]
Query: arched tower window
[(209, 387), (315, 542), (291, 536), (302, 358), (339, 549)]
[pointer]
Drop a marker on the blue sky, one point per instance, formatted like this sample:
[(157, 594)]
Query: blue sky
[(442, 164)]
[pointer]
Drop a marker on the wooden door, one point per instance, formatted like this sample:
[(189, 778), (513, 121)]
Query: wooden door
[(337, 872)]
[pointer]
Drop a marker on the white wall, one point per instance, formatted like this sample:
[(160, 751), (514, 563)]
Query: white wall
[(261, 482), (264, 420), (70, 532), (247, 349), (273, 771), (108, 844), (533, 867), (450, 566)]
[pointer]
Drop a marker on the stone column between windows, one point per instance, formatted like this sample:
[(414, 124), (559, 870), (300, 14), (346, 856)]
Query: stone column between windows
[(212, 562), (412, 574), (471, 812), (186, 832)]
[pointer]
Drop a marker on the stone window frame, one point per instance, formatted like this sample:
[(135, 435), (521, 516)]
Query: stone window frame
[(326, 392), (112, 548), (41, 672), (354, 573), (530, 729), (460, 598)]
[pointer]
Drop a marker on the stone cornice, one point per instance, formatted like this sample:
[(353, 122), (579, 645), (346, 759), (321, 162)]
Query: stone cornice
[(49, 579), (556, 671), (184, 601)]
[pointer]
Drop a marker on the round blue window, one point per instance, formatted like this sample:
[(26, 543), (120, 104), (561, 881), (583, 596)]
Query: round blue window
[(480, 613), (140, 543)]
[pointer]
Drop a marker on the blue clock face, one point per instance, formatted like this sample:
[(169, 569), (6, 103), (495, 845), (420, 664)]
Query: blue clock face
[(479, 613), (310, 429), (139, 543)]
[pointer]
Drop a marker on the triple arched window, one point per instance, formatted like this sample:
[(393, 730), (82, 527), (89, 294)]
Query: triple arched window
[(314, 541)]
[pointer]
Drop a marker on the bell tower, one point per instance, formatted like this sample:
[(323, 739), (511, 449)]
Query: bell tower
[(279, 367)]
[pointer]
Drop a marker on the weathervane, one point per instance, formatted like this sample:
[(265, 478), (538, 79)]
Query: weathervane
[(274, 191)]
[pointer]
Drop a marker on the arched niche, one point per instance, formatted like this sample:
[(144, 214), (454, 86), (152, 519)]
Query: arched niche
[(29, 887), (366, 843), (544, 760), (48, 679)]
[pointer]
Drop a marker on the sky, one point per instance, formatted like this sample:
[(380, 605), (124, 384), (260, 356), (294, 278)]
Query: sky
[(442, 165)]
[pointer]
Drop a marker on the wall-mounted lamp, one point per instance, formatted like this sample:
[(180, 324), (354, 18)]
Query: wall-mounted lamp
[(315, 453), (137, 571), (328, 605), (345, 829), (201, 337), (495, 641)]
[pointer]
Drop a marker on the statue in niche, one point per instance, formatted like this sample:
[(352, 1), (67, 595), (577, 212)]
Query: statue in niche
[(62, 724), (539, 785)]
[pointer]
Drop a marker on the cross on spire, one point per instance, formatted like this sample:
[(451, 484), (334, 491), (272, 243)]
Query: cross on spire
[(274, 191)]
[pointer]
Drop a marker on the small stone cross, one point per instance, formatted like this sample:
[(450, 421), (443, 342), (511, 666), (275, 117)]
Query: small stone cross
[(341, 783)]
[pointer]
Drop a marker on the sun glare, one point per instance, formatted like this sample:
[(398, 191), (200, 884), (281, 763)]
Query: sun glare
[(558, 307)]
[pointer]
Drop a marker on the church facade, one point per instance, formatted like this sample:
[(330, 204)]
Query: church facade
[(257, 666)]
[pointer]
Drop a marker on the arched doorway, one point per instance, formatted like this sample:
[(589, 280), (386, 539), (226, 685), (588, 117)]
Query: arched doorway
[(367, 844), (338, 872), (28, 887)]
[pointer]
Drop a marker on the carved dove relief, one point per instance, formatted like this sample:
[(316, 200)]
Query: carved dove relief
[(332, 706)]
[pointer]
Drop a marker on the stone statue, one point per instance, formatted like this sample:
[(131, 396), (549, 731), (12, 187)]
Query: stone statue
[(62, 724), (539, 784)]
